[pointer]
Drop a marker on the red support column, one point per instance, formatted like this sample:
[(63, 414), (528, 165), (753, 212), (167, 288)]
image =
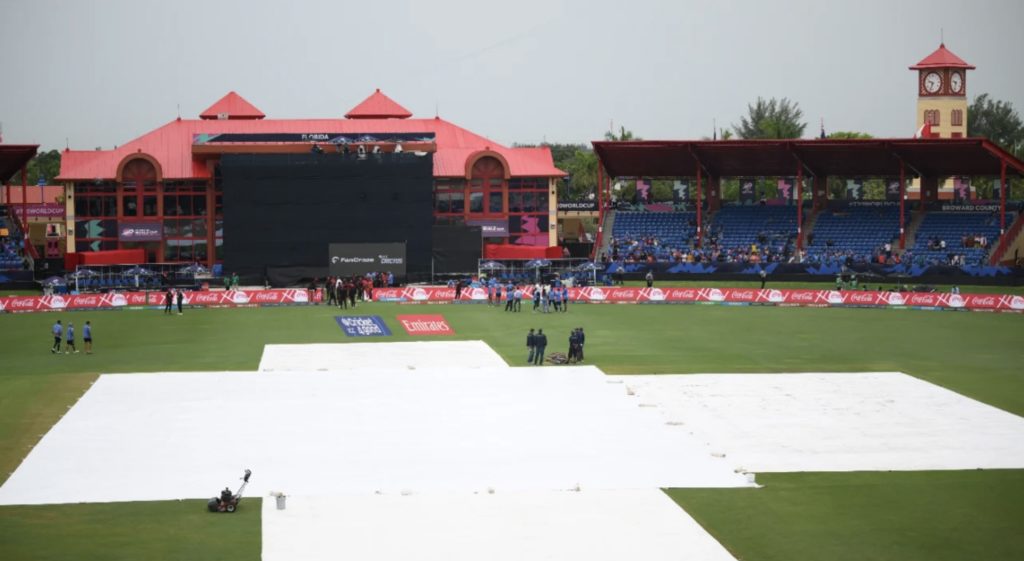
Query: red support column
[(1002, 197), (699, 218), (25, 209), (7, 195), (799, 208), (600, 211), (818, 190), (903, 201)]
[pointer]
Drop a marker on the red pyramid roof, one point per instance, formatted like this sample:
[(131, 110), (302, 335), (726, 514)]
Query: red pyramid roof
[(233, 106), (942, 58), (378, 106)]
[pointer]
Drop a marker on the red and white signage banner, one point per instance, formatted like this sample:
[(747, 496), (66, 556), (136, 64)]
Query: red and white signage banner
[(593, 295), (425, 325), (220, 298), (623, 295)]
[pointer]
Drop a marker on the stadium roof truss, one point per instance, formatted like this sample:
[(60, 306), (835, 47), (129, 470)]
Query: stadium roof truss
[(926, 158), (826, 157)]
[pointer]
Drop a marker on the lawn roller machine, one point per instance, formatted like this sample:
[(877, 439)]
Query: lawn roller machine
[(228, 501)]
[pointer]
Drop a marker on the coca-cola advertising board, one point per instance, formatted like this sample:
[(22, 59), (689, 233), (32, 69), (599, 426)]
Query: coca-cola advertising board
[(114, 300)]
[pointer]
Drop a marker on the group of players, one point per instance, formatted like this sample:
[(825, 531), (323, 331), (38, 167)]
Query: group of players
[(344, 291), (546, 298), (68, 338)]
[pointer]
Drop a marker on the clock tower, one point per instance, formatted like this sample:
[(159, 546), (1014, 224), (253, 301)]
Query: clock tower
[(942, 93)]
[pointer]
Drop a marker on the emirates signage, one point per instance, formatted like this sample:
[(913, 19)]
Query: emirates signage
[(425, 325)]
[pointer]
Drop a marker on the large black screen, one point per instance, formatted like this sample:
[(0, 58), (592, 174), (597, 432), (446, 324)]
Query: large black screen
[(282, 211)]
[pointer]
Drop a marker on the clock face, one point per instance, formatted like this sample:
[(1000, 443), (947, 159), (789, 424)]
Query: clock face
[(956, 82), (932, 82)]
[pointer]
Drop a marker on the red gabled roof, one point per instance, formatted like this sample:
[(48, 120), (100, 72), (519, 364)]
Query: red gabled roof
[(171, 146), (232, 106), (936, 157), (378, 106), (942, 58)]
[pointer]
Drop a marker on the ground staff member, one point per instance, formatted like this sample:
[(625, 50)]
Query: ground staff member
[(541, 343)]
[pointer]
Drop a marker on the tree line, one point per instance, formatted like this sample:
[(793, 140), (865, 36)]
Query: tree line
[(994, 119), (783, 118)]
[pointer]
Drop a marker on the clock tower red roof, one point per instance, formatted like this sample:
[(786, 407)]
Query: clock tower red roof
[(942, 58)]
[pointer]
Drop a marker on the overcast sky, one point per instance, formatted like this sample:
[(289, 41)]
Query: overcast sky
[(99, 73)]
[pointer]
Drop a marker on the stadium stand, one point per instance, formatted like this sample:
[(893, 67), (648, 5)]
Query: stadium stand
[(955, 238), (10, 247), (859, 234), (652, 236), (757, 233)]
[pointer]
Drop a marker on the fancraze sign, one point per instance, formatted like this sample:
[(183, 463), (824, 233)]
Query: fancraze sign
[(346, 259)]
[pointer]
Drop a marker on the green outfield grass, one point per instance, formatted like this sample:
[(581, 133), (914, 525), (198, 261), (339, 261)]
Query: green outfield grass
[(916, 516), (172, 530), (976, 354)]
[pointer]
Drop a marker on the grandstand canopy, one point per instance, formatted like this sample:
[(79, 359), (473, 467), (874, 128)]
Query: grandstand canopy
[(933, 157), (13, 157)]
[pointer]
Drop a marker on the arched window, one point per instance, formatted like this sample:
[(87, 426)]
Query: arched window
[(487, 186), (931, 116), (957, 117), (138, 185)]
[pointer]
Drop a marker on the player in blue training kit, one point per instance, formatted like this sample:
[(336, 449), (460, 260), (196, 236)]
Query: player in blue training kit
[(58, 332), (87, 337), (69, 344)]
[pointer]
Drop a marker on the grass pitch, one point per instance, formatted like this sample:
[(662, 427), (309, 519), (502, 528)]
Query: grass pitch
[(796, 517)]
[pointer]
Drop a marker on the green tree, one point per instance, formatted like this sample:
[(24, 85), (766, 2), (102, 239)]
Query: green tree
[(622, 136), (773, 118), (582, 170), (844, 135), (45, 165), (998, 121)]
